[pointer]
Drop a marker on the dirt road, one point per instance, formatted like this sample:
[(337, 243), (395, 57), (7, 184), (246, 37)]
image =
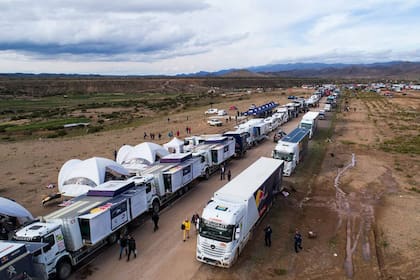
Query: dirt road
[(163, 254)]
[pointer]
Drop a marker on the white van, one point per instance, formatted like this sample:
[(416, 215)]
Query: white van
[(221, 113), (327, 107)]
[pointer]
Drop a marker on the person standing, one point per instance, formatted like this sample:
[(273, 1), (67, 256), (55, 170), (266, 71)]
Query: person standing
[(268, 231), (123, 245), (222, 172), (131, 247), (186, 226), (298, 241), (195, 220), (115, 155), (229, 175), (155, 219)]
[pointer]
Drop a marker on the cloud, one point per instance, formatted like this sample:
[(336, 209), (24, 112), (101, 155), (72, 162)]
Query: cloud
[(164, 36)]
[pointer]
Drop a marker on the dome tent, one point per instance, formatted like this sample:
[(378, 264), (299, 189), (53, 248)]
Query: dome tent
[(175, 146), (76, 177), (11, 208), (147, 151)]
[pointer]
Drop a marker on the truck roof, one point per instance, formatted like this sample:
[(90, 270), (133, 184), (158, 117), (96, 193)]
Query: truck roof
[(101, 195), (176, 158), (160, 167), (243, 186), (296, 135), (10, 251), (310, 115)]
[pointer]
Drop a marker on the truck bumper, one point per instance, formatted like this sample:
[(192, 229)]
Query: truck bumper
[(214, 262)]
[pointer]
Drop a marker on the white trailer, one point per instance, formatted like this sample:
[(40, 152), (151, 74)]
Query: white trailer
[(170, 178), (89, 222), (257, 130), (235, 209), (310, 122)]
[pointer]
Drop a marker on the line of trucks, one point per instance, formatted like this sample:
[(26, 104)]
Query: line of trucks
[(70, 235), (64, 238)]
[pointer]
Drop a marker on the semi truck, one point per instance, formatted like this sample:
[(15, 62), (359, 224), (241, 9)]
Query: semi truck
[(257, 130), (16, 261), (228, 220), (241, 141), (310, 122), (86, 224), (213, 151), (291, 149), (170, 178)]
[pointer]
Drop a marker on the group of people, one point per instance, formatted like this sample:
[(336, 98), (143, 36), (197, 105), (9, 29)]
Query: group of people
[(128, 245), (186, 226), (152, 135), (297, 238), (188, 130), (223, 173)]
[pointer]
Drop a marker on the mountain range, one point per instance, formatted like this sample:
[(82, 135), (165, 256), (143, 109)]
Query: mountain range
[(383, 70)]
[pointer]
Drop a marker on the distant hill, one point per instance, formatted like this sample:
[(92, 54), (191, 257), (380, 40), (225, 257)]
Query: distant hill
[(383, 70)]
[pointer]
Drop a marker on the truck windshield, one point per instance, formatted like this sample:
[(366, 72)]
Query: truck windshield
[(305, 125), (216, 231), (283, 156)]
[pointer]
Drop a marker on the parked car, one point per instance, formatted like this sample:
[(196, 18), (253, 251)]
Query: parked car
[(292, 97), (221, 113), (278, 135), (215, 122), (211, 111)]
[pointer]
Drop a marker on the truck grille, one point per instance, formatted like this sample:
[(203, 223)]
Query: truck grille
[(213, 251)]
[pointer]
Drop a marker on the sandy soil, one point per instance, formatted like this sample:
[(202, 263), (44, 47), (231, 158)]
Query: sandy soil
[(367, 226)]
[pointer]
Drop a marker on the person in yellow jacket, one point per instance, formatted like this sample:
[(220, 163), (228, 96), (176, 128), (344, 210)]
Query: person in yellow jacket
[(186, 226)]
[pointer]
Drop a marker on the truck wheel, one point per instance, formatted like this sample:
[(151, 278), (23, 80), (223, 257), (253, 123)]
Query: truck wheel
[(156, 206), (63, 269), (112, 238), (235, 258), (207, 176)]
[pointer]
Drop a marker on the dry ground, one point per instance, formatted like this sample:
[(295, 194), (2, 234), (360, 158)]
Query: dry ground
[(371, 221)]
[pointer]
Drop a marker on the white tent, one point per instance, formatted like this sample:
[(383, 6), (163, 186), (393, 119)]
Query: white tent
[(76, 177), (175, 146), (11, 208), (150, 152)]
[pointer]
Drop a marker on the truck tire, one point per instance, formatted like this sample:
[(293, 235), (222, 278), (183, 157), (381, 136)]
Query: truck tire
[(112, 238), (235, 258), (156, 206), (63, 269)]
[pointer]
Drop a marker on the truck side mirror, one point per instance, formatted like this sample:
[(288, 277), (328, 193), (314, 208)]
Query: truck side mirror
[(237, 233)]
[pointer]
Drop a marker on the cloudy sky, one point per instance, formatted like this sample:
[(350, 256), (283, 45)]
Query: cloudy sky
[(184, 36)]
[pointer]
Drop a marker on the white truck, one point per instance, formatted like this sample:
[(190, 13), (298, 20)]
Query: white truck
[(310, 122), (16, 261), (257, 130), (291, 149), (231, 215), (213, 151), (89, 222), (170, 178)]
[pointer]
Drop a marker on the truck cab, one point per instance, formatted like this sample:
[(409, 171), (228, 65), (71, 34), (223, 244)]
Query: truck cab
[(53, 256), (220, 241), (287, 152)]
